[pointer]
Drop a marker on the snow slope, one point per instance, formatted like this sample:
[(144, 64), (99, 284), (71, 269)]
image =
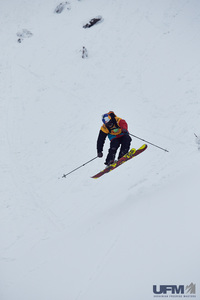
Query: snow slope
[(115, 237)]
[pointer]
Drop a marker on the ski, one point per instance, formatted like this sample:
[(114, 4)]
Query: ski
[(132, 153)]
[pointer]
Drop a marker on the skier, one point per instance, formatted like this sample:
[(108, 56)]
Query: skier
[(117, 131), (84, 52)]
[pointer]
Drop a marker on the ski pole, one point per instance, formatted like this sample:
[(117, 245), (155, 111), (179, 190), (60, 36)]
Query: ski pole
[(149, 142), (65, 175)]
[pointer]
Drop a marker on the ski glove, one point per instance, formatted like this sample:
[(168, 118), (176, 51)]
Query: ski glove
[(100, 154), (125, 131)]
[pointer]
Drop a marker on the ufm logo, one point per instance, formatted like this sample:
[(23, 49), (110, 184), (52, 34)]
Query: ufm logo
[(191, 288), (175, 289)]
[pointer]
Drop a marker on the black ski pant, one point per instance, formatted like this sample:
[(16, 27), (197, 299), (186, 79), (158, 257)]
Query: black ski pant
[(124, 142)]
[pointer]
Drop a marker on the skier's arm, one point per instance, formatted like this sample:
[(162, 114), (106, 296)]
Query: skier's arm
[(100, 141), (123, 125)]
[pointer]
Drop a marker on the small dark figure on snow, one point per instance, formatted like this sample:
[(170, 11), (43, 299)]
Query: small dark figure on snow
[(84, 52), (92, 22), (117, 131)]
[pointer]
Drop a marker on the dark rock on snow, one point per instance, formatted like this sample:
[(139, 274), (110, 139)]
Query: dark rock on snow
[(93, 21), (59, 8)]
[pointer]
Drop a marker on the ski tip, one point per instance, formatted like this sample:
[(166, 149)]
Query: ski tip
[(143, 146)]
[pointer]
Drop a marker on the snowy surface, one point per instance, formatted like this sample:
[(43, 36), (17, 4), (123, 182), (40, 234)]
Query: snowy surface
[(113, 238)]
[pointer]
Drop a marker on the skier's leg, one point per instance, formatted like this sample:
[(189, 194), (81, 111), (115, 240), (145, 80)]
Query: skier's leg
[(125, 145), (114, 145)]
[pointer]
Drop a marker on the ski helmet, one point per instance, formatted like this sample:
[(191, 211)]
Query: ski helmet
[(107, 120)]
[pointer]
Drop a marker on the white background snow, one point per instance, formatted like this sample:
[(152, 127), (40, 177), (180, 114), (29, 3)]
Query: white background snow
[(115, 237)]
